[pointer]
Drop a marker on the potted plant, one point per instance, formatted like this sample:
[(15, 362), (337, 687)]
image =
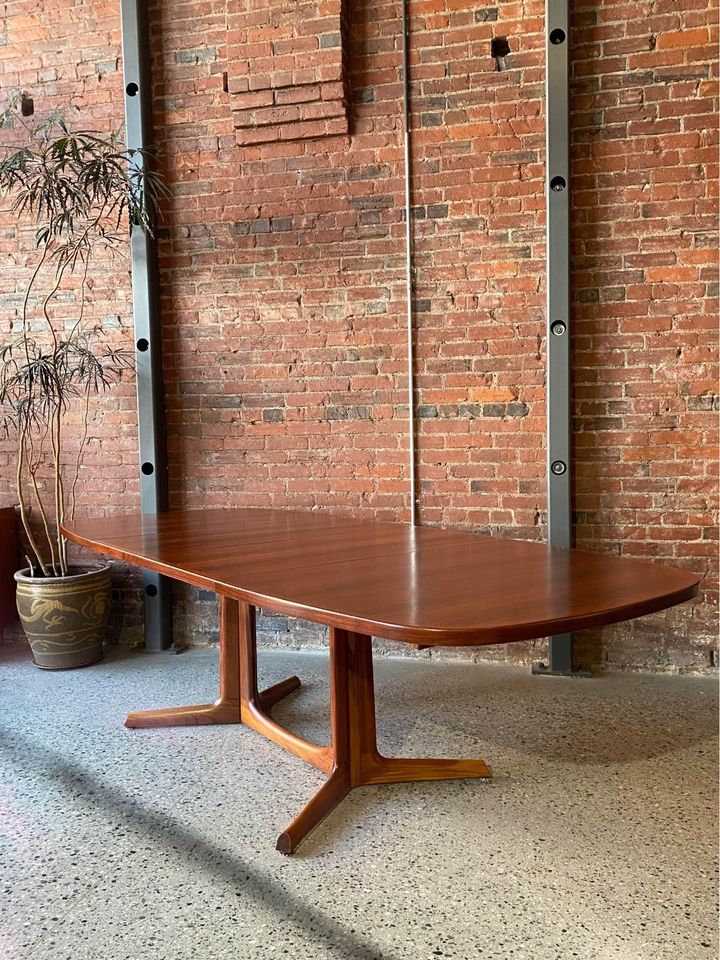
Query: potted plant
[(82, 191)]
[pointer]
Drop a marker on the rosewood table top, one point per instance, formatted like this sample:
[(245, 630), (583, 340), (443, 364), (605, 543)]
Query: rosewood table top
[(416, 584)]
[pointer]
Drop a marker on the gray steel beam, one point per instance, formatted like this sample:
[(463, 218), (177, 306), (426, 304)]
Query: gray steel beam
[(559, 415), (150, 394)]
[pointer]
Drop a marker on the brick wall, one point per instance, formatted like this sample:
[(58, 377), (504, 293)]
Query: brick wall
[(646, 303), (283, 280), (66, 56)]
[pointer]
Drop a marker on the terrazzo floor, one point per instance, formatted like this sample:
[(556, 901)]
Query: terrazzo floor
[(596, 839)]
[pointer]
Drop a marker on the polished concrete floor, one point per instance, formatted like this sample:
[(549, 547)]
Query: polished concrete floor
[(596, 839)]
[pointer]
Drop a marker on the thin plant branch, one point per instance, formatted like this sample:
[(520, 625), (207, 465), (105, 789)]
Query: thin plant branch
[(84, 192), (23, 508), (78, 459), (32, 468)]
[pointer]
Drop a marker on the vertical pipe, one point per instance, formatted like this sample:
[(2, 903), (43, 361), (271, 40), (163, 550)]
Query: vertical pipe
[(409, 268)]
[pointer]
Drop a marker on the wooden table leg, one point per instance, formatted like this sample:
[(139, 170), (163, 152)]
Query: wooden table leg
[(254, 705), (355, 757), (351, 760), (226, 709), (372, 767), (337, 787)]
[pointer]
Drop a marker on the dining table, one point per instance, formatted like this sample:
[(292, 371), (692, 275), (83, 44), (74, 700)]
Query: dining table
[(419, 585)]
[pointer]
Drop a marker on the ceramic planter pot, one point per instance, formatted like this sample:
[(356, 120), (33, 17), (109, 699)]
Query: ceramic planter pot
[(65, 618)]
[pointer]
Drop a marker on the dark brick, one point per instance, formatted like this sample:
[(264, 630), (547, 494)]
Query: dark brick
[(517, 410), (472, 410), (697, 71), (517, 156), (591, 295), (698, 404), (374, 171), (494, 409), (347, 413), (329, 40), (377, 202), (201, 55)]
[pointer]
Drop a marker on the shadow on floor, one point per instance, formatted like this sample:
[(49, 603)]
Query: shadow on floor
[(119, 806)]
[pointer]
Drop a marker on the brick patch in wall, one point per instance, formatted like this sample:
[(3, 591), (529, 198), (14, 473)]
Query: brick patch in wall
[(286, 75)]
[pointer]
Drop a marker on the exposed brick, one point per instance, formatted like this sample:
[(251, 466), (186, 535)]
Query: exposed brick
[(494, 409), (304, 93), (295, 73), (328, 40), (273, 416), (199, 55), (282, 278), (517, 410), (347, 413)]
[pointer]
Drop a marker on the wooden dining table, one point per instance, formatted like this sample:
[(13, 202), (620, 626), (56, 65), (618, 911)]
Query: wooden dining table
[(362, 578)]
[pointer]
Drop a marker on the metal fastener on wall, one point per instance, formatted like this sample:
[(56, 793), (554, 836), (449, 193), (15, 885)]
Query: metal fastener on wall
[(150, 395), (559, 414)]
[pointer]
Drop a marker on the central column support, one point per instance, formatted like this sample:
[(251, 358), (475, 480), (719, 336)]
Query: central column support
[(351, 760), (356, 759)]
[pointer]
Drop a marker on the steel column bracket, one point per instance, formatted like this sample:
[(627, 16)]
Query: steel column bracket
[(148, 346), (559, 417), (561, 659)]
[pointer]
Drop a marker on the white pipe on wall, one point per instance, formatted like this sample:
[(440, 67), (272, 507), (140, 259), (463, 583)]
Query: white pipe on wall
[(409, 268)]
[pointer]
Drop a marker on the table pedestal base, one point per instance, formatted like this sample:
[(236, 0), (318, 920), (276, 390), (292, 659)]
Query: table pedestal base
[(351, 760)]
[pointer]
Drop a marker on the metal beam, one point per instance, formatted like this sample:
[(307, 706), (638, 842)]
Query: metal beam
[(150, 394), (559, 415)]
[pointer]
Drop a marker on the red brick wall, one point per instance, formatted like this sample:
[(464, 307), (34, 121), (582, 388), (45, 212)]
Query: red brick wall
[(646, 302), (283, 285), (66, 56)]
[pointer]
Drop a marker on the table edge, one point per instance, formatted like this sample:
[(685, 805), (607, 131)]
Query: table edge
[(432, 636)]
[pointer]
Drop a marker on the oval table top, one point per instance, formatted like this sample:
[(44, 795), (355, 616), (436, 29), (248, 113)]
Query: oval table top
[(417, 584)]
